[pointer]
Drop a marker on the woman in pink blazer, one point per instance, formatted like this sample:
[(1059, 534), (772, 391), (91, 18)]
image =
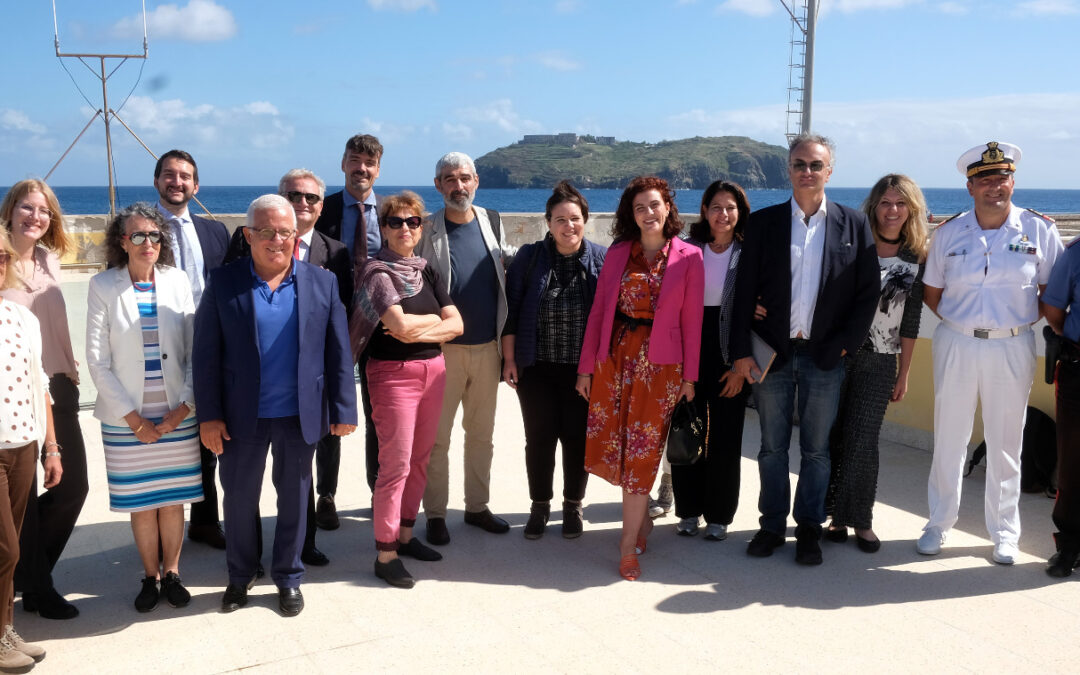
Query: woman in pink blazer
[(641, 351)]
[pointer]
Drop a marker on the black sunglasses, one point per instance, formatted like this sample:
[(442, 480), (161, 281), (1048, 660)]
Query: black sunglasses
[(395, 223), (295, 196), (139, 238)]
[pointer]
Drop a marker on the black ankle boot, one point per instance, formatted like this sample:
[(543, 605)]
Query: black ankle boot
[(538, 518)]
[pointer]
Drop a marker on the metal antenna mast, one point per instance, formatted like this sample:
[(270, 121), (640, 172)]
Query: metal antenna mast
[(104, 110), (801, 64)]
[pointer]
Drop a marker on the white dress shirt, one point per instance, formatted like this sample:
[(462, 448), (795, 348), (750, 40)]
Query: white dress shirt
[(188, 253), (807, 256)]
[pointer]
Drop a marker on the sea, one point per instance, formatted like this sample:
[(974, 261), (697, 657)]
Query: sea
[(235, 198)]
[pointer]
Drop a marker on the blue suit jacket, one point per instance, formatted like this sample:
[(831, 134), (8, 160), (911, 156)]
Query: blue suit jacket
[(225, 359), (214, 241), (847, 297)]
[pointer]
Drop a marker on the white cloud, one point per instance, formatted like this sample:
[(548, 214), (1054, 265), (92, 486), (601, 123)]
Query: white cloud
[(388, 132), (557, 61), (849, 6), (402, 5), (1048, 7), (567, 6), (16, 120), (951, 7), (916, 137), (751, 7), (197, 21), (457, 132), (499, 113), (257, 123)]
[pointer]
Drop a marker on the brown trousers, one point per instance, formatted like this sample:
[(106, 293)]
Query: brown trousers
[(16, 473)]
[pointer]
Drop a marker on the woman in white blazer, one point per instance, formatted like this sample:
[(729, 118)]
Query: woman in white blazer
[(140, 317)]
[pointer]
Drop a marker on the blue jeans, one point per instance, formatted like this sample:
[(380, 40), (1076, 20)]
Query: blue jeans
[(819, 396)]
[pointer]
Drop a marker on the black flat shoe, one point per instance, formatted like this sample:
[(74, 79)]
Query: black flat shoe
[(836, 536), (173, 590), (867, 545), (764, 543), (236, 596), (290, 601), (1062, 563), (394, 573), (807, 545), (487, 521), (211, 535), (314, 557), (414, 549), (147, 599)]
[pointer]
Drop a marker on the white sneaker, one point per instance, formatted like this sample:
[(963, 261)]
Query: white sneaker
[(930, 542), (1005, 553), (687, 527), (716, 531)]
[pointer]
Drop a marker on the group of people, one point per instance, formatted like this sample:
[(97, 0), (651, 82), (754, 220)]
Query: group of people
[(207, 353)]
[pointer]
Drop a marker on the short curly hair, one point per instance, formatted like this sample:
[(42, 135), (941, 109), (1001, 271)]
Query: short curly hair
[(115, 255), (625, 228)]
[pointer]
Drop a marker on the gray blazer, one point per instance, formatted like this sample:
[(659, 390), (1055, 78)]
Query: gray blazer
[(725, 298), (434, 246)]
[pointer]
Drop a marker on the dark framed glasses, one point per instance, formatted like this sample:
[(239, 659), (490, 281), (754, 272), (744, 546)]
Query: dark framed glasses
[(395, 223), (268, 233), (139, 238), (295, 196)]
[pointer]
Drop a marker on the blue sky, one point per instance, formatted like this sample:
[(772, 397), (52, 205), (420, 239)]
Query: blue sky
[(252, 89)]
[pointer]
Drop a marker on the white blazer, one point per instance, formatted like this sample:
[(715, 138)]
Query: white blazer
[(114, 341)]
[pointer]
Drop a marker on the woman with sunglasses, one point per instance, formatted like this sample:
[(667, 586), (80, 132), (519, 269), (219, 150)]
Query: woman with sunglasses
[(401, 316), (139, 324), (549, 291), (26, 429), (31, 215)]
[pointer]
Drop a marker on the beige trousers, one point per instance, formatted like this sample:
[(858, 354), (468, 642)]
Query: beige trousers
[(472, 380)]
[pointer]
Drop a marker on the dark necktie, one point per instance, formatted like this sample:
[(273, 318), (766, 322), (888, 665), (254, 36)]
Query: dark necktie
[(360, 235)]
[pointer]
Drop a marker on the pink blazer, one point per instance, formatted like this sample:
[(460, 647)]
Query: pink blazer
[(676, 330)]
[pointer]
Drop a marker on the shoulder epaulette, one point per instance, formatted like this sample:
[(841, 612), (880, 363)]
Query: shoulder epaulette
[(1042, 215), (1074, 240), (952, 217)]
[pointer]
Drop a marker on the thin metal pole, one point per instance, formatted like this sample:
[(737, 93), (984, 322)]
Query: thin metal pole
[(72, 145), (108, 139), (808, 69)]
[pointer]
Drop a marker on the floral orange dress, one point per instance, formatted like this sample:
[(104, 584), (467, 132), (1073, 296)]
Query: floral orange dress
[(632, 399)]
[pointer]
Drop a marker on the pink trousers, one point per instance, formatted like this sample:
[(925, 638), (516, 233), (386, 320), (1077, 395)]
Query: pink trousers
[(406, 397)]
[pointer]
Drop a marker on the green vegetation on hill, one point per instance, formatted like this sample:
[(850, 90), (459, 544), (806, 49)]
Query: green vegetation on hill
[(690, 163)]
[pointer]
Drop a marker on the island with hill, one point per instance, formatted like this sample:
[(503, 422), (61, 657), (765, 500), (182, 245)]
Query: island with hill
[(541, 160)]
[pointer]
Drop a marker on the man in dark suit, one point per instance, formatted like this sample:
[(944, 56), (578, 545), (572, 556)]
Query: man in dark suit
[(807, 284), (352, 217), (272, 367), (198, 245), (305, 191)]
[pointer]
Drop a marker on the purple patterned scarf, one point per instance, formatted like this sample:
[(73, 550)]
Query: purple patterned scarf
[(381, 283)]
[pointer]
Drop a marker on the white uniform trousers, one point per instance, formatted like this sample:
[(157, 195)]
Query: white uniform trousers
[(997, 372)]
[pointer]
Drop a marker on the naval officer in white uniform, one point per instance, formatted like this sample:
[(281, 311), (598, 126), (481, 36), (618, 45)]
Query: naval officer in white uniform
[(985, 271)]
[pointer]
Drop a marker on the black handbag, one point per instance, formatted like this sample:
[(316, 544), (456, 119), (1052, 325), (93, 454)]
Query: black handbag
[(686, 437)]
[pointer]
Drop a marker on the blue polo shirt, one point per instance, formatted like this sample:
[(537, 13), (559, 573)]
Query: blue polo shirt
[(1063, 289), (277, 324)]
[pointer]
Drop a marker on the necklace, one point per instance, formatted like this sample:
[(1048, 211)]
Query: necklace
[(889, 241), (719, 248)]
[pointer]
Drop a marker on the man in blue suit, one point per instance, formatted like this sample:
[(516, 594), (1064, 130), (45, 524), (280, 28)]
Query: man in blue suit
[(199, 245), (808, 283), (272, 369)]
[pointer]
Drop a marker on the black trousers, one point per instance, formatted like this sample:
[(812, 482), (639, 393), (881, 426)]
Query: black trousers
[(206, 511), (1066, 513), (50, 517), (553, 413), (371, 438), (710, 486)]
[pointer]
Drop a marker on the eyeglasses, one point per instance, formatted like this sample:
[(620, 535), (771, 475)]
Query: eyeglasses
[(139, 238), (31, 211), (395, 223), (268, 233), (295, 196), (816, 166)]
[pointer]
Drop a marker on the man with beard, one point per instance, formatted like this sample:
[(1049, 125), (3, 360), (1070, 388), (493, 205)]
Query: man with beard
[(351, 217), (467, 247), (199, 245), (305, 191)]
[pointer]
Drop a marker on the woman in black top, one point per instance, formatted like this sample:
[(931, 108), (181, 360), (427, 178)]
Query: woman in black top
[(401, 316)]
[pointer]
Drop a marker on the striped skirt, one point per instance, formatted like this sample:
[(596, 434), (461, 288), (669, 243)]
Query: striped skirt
[(148, 476)]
